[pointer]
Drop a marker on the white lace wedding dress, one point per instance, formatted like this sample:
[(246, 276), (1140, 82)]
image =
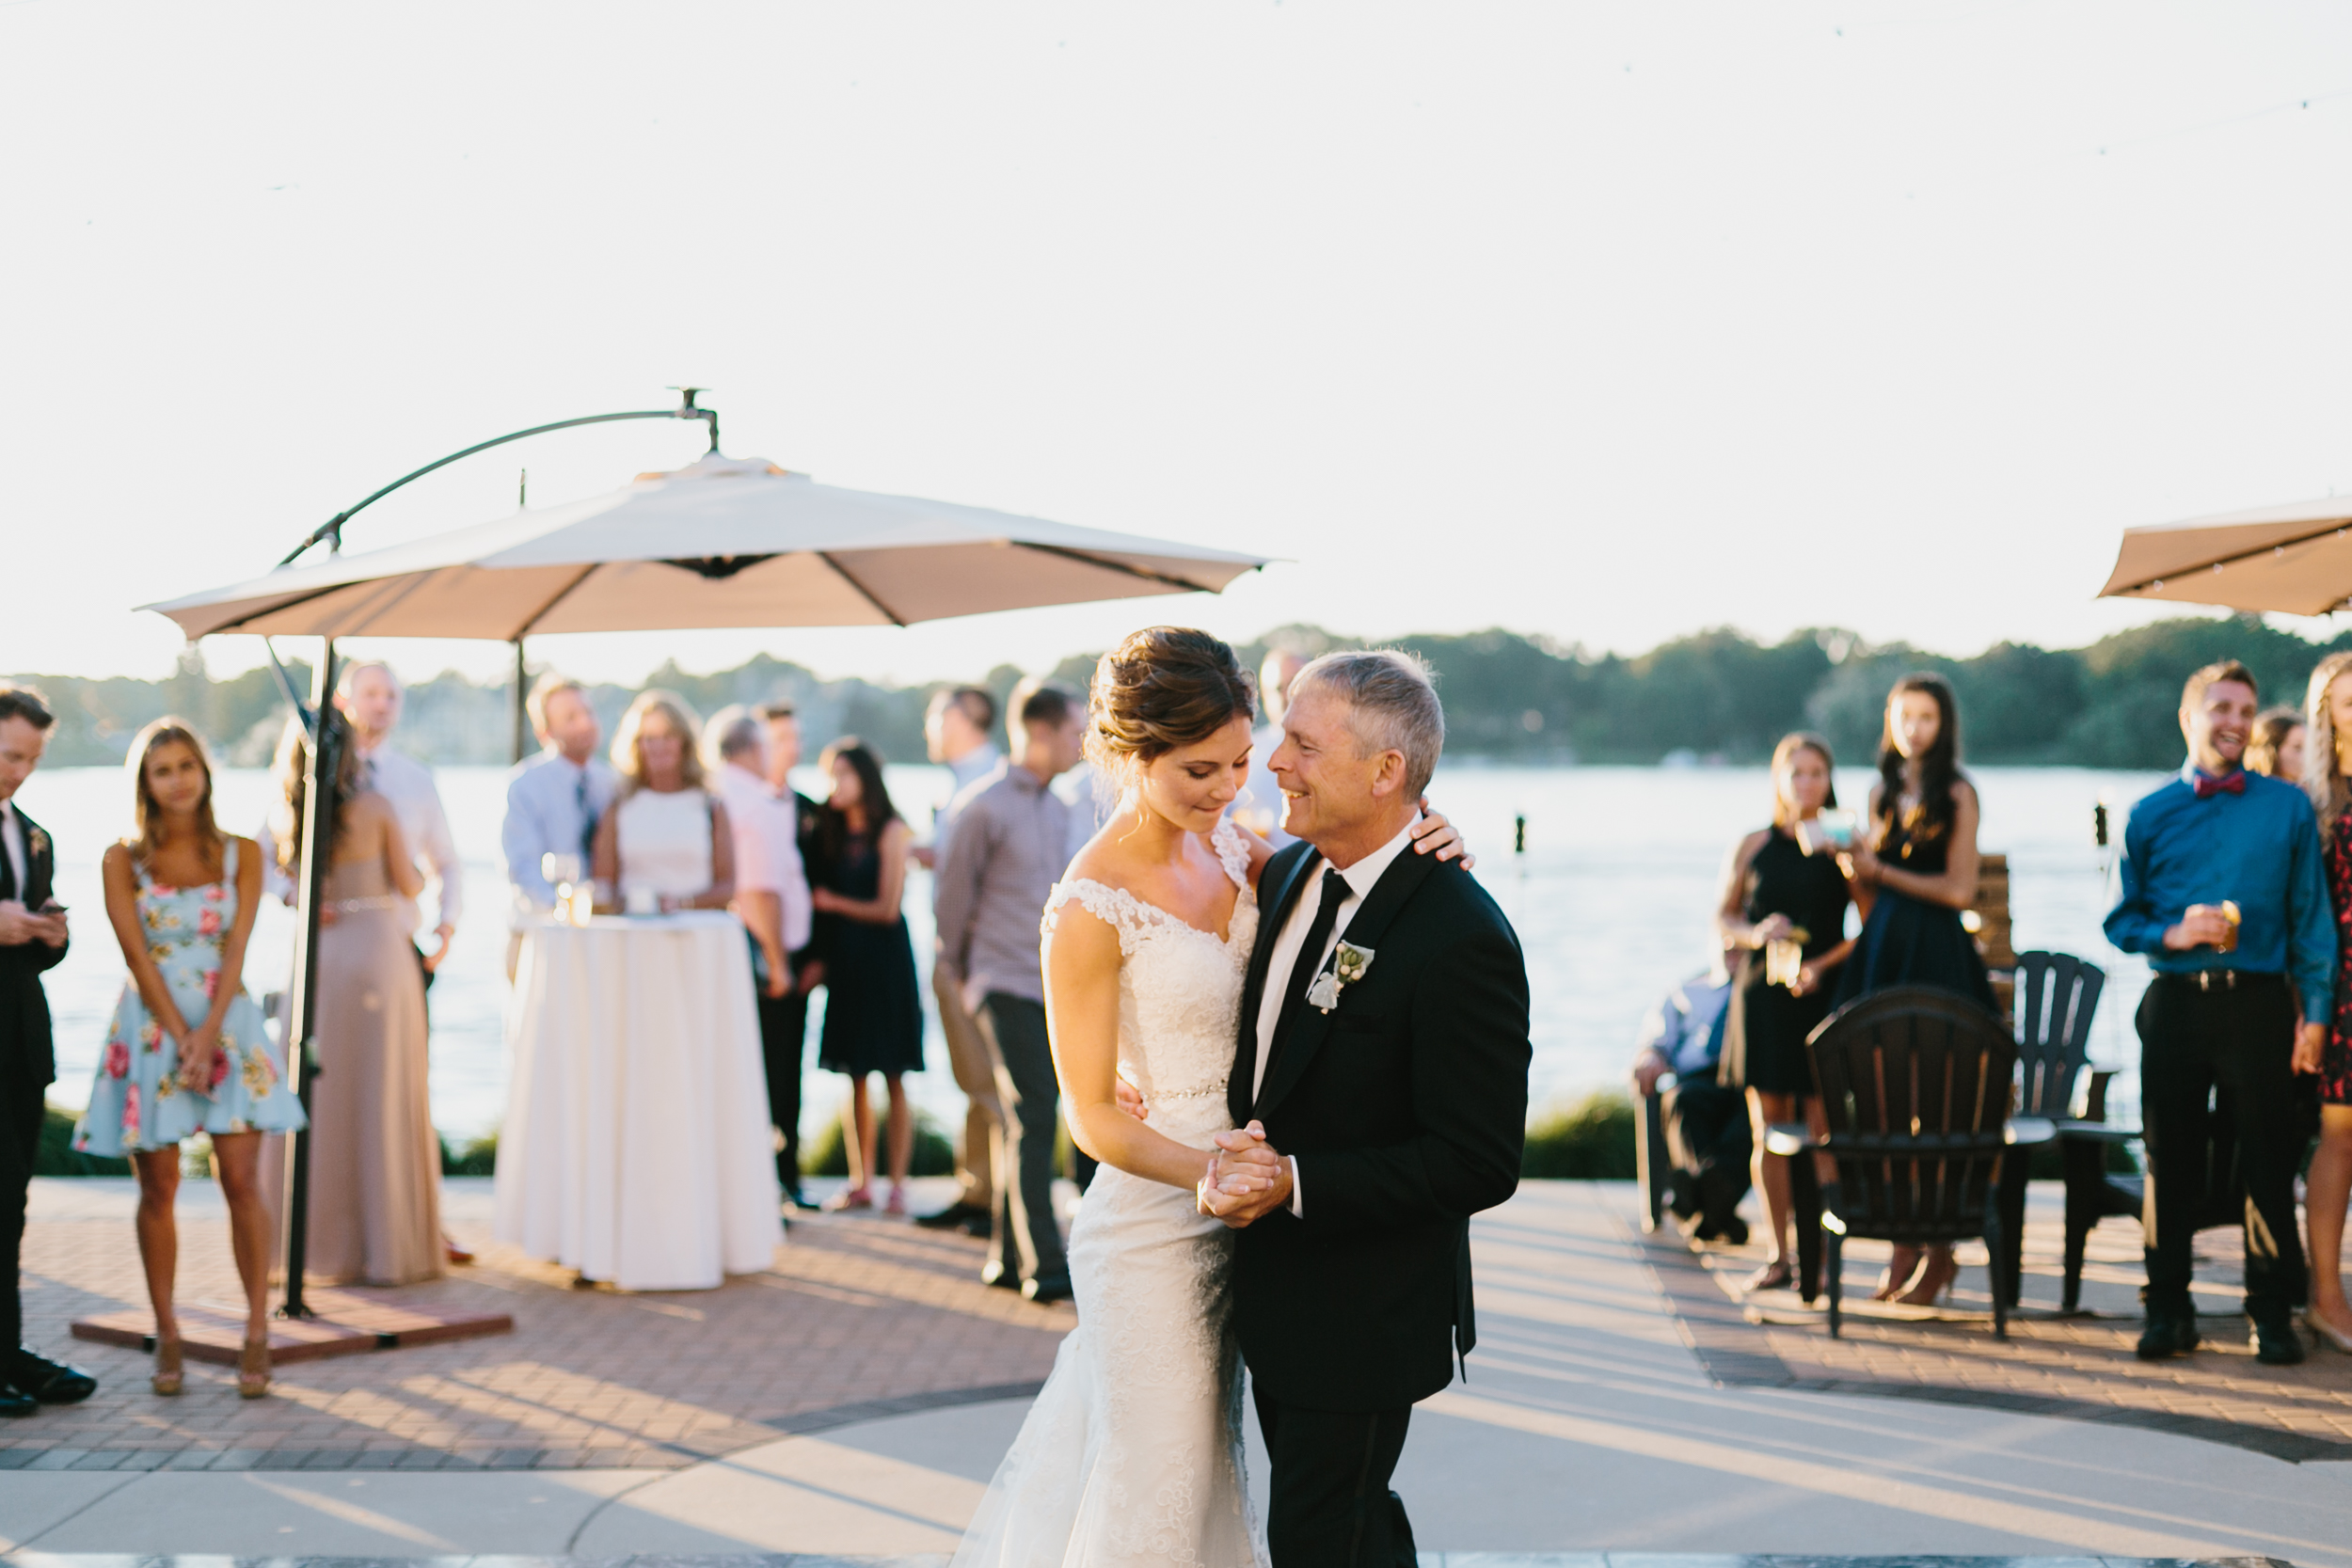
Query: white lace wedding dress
[(1133, 1452)]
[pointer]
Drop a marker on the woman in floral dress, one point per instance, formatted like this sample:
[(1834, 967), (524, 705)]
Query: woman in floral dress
[(2327, 765), (186, 1052)]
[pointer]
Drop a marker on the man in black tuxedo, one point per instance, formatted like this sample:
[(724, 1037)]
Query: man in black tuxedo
[(1381, 1084), (32, 939)]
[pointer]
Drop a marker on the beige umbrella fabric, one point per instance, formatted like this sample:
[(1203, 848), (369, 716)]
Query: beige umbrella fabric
[(2296, 559), (723, 543)]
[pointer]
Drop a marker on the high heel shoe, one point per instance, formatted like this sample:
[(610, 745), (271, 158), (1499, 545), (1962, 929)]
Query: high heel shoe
[(2330, 1332), (1935, 1278), (849, 1198), (253, 1370), (168, 1378), (1775, 1275), (1900, 1270), (896, 1202)]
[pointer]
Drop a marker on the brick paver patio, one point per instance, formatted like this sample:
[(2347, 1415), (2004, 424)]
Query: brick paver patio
[(858, 1317), (2080, 1366)]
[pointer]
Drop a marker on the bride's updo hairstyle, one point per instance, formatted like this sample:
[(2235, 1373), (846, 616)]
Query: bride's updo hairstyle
[(1163, 688)]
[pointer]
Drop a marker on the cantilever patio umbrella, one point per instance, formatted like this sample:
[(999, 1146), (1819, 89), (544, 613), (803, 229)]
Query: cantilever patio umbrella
[(2296, 559), (719, 542)]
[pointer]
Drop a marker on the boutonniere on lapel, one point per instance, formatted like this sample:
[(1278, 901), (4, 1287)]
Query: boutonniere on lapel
[(39, 842), (1347, 967)]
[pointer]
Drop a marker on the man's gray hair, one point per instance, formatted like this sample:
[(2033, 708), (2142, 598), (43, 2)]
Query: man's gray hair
[(348, 680), (731, 730), (1393, 704)]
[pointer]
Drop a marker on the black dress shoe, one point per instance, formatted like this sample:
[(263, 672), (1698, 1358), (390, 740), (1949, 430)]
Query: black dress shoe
[(2168, 1334), (1045, 1291), (957, 1215), (2274, 1341), (49, 1382), (16, 1401)]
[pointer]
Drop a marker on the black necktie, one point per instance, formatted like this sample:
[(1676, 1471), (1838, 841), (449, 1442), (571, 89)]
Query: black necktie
[(587, 821), (1310, 961)]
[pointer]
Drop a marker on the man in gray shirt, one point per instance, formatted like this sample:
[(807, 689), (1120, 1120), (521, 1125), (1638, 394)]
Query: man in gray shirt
[(1011, 842)]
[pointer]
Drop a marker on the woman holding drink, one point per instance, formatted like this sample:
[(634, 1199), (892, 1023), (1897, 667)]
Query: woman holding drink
[(1913, 867), (1783, 903)]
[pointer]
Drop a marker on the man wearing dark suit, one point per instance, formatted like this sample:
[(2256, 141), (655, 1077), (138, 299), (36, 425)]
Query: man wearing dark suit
[(32, 939), (1380, 1081)]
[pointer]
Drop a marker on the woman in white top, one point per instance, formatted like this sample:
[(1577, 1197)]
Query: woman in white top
[(666, 835)]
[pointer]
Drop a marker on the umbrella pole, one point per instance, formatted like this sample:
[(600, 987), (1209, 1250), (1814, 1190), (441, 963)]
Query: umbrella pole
[(522, 702), (318, 833)]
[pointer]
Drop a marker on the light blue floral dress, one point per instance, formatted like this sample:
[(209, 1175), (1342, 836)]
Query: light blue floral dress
[(137, 1101)]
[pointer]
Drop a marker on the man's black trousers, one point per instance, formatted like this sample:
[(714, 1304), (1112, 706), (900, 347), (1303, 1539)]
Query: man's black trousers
[(1709, 1141), (20, 1141), (2236, 1033), (1027, 1240), (782, 1031), (1330, 1505)]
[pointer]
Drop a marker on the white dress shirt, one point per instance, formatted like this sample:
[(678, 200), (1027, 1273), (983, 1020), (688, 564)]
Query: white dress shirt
[(12, 837), (1286, 957), (407, 785), (767, 848)]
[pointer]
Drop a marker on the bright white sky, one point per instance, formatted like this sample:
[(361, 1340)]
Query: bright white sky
[(1608, 321)]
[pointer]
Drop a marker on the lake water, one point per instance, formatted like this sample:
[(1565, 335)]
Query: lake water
[(1613, 899)]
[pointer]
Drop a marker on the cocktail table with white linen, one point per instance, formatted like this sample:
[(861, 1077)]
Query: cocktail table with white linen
[(635, 1146)]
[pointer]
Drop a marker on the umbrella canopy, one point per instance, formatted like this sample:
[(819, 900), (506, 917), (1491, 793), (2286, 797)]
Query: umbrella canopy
[(2296, 559), (723, 543)]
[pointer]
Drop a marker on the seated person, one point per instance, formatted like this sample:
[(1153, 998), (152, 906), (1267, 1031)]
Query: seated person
[(1706, 1123)]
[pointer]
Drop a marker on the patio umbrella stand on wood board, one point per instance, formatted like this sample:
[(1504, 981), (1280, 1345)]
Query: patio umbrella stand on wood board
[(722, 543)]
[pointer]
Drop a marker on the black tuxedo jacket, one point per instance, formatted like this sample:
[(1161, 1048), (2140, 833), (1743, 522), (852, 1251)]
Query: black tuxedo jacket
[(1406, 1108), (29, 1058)]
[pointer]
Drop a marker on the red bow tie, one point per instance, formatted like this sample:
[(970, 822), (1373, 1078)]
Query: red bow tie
[(2208, 786)]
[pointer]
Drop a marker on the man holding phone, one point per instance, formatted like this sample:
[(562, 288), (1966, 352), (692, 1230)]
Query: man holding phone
[(32, 939)]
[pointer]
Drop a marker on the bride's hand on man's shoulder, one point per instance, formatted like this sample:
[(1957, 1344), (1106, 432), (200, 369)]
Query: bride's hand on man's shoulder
[(1433, 835)]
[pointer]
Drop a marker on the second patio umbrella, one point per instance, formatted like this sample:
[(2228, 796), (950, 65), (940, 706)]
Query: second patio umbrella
[(2296, 559)]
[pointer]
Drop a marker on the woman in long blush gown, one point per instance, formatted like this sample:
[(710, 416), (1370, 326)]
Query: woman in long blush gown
[(1132, 1452)]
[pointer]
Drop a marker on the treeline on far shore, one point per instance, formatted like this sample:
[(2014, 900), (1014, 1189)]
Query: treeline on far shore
[(1715, 697)]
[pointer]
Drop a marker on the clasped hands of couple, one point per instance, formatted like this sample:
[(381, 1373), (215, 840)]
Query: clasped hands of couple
[(1247, 1178)]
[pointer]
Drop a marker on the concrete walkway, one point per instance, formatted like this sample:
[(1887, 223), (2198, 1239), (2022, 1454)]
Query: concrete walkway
[(1588, 1425)]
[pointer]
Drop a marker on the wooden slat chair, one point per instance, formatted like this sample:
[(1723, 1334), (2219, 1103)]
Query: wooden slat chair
[(1915, 1091), (2057, 996)]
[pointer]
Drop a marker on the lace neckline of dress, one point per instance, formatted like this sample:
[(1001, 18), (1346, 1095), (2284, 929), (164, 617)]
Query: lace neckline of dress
[(1232, 851)]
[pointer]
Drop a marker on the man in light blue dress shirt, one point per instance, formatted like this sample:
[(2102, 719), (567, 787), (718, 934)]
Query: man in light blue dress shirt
[(2224, 892), (553, 801)]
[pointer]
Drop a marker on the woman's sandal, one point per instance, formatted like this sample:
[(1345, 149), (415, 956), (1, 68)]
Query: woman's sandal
[(1893, 1284), (253, 1370), (850, 1197), (1775, 1275), (1934, 1279), (168, 1378), (896, 1204)]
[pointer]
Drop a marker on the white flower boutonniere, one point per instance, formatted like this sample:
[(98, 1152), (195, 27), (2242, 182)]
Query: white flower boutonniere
[(1347, 967), (38, 845)]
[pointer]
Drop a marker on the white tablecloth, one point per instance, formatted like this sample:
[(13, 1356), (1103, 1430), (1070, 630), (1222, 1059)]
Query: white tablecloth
[(635, 1146)]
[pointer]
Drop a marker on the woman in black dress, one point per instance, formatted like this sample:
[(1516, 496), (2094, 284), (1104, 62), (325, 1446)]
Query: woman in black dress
[(1913, 867), (873, 1011), (1784, 888)]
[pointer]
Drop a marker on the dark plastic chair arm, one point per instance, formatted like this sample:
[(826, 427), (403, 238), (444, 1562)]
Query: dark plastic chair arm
[(2099, 1132), (2020, 1131)]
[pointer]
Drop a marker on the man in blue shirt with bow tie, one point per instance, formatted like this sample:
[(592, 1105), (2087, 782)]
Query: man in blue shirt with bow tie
[(2223, 891)]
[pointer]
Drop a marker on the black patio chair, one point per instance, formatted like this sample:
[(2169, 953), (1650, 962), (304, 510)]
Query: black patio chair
[(1915, 1091), (2057, 996)]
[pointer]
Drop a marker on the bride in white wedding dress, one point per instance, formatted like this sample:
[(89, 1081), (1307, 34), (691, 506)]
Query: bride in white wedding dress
[(1133, 1452)]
